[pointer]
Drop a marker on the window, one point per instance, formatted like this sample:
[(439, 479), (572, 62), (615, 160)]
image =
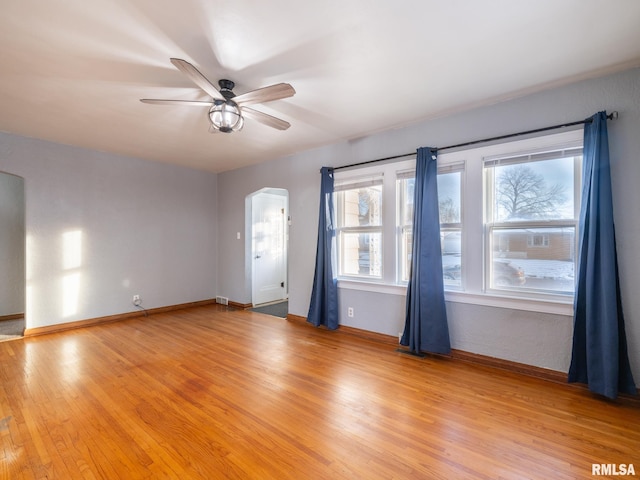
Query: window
[(531, 213), (508, 223), (366, 221), (359, 231), (450, 203), (534, 240), (405, 184)]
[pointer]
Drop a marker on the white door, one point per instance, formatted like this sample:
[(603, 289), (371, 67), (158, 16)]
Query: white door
[(269, 247)]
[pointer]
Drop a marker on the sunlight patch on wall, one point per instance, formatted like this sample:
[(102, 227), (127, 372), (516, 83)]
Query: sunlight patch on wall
[(71, 294), (71, 262), (72, 249)]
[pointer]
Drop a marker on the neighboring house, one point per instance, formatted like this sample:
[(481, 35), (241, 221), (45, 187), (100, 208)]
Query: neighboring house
[(547, 244)]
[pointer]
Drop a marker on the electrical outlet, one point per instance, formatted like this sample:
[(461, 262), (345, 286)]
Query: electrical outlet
[(137, 300), (350, 312)]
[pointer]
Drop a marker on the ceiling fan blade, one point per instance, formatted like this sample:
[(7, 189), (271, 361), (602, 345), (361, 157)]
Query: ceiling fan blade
[(265, 94), (189, 103), (196, 77), (265, 119)]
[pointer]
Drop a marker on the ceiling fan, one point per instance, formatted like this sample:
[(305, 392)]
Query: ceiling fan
[(226, 109)]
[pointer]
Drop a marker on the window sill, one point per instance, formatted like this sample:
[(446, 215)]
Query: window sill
[(558, 307), (373, 287)]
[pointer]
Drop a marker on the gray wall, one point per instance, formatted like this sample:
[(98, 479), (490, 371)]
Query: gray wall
[(12, 244), (146, 228), (539, 339), (169, 233)]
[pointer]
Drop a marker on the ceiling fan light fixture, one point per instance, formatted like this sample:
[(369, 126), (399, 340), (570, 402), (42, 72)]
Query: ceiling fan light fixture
[(225, 116), (225, 113)]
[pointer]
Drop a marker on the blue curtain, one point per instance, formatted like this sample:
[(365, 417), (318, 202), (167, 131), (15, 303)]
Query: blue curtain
[(599, 356), (426, 327), (323, 309)]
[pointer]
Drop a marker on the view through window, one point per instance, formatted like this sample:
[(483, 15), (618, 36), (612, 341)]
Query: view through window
[(508, 219), (531, 219)]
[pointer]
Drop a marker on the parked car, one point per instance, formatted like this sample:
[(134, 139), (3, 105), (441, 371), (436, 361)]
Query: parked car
[(451, 272), (504, 274)]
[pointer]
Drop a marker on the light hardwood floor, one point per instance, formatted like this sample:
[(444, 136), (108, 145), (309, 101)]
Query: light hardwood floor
[(206, 393)]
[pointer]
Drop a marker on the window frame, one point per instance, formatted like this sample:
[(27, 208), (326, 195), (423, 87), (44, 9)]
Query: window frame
[(387, 283), (402, 228), (473, 289), (443, 169), (568, 149), (350, 184)]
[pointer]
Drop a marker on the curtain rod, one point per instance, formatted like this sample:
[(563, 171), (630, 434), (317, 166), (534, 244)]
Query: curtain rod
[(611, 116)]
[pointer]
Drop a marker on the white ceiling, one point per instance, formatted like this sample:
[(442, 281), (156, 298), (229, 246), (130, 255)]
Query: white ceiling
[(73, 71)]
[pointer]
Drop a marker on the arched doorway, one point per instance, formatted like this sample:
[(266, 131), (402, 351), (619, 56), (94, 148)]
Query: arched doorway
[(267, 245)]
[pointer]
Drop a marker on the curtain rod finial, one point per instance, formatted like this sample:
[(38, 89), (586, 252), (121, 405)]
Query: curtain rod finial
[(613, 115)]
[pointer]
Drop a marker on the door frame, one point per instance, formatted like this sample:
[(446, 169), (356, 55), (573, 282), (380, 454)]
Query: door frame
[(249, 253), (18, 271)]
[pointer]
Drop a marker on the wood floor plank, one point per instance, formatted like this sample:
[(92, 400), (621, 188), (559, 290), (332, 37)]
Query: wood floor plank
[(211, 392)]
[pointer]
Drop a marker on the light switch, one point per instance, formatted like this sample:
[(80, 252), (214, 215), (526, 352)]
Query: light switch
[(238, 235)]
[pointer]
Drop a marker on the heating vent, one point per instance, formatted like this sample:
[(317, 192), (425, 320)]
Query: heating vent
[(222, 300)]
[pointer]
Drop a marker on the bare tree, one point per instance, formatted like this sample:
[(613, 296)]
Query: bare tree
[(523, 193), (448, 211)]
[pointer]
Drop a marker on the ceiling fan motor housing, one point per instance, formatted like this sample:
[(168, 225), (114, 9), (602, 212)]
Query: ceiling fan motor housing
[(226, 87)]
